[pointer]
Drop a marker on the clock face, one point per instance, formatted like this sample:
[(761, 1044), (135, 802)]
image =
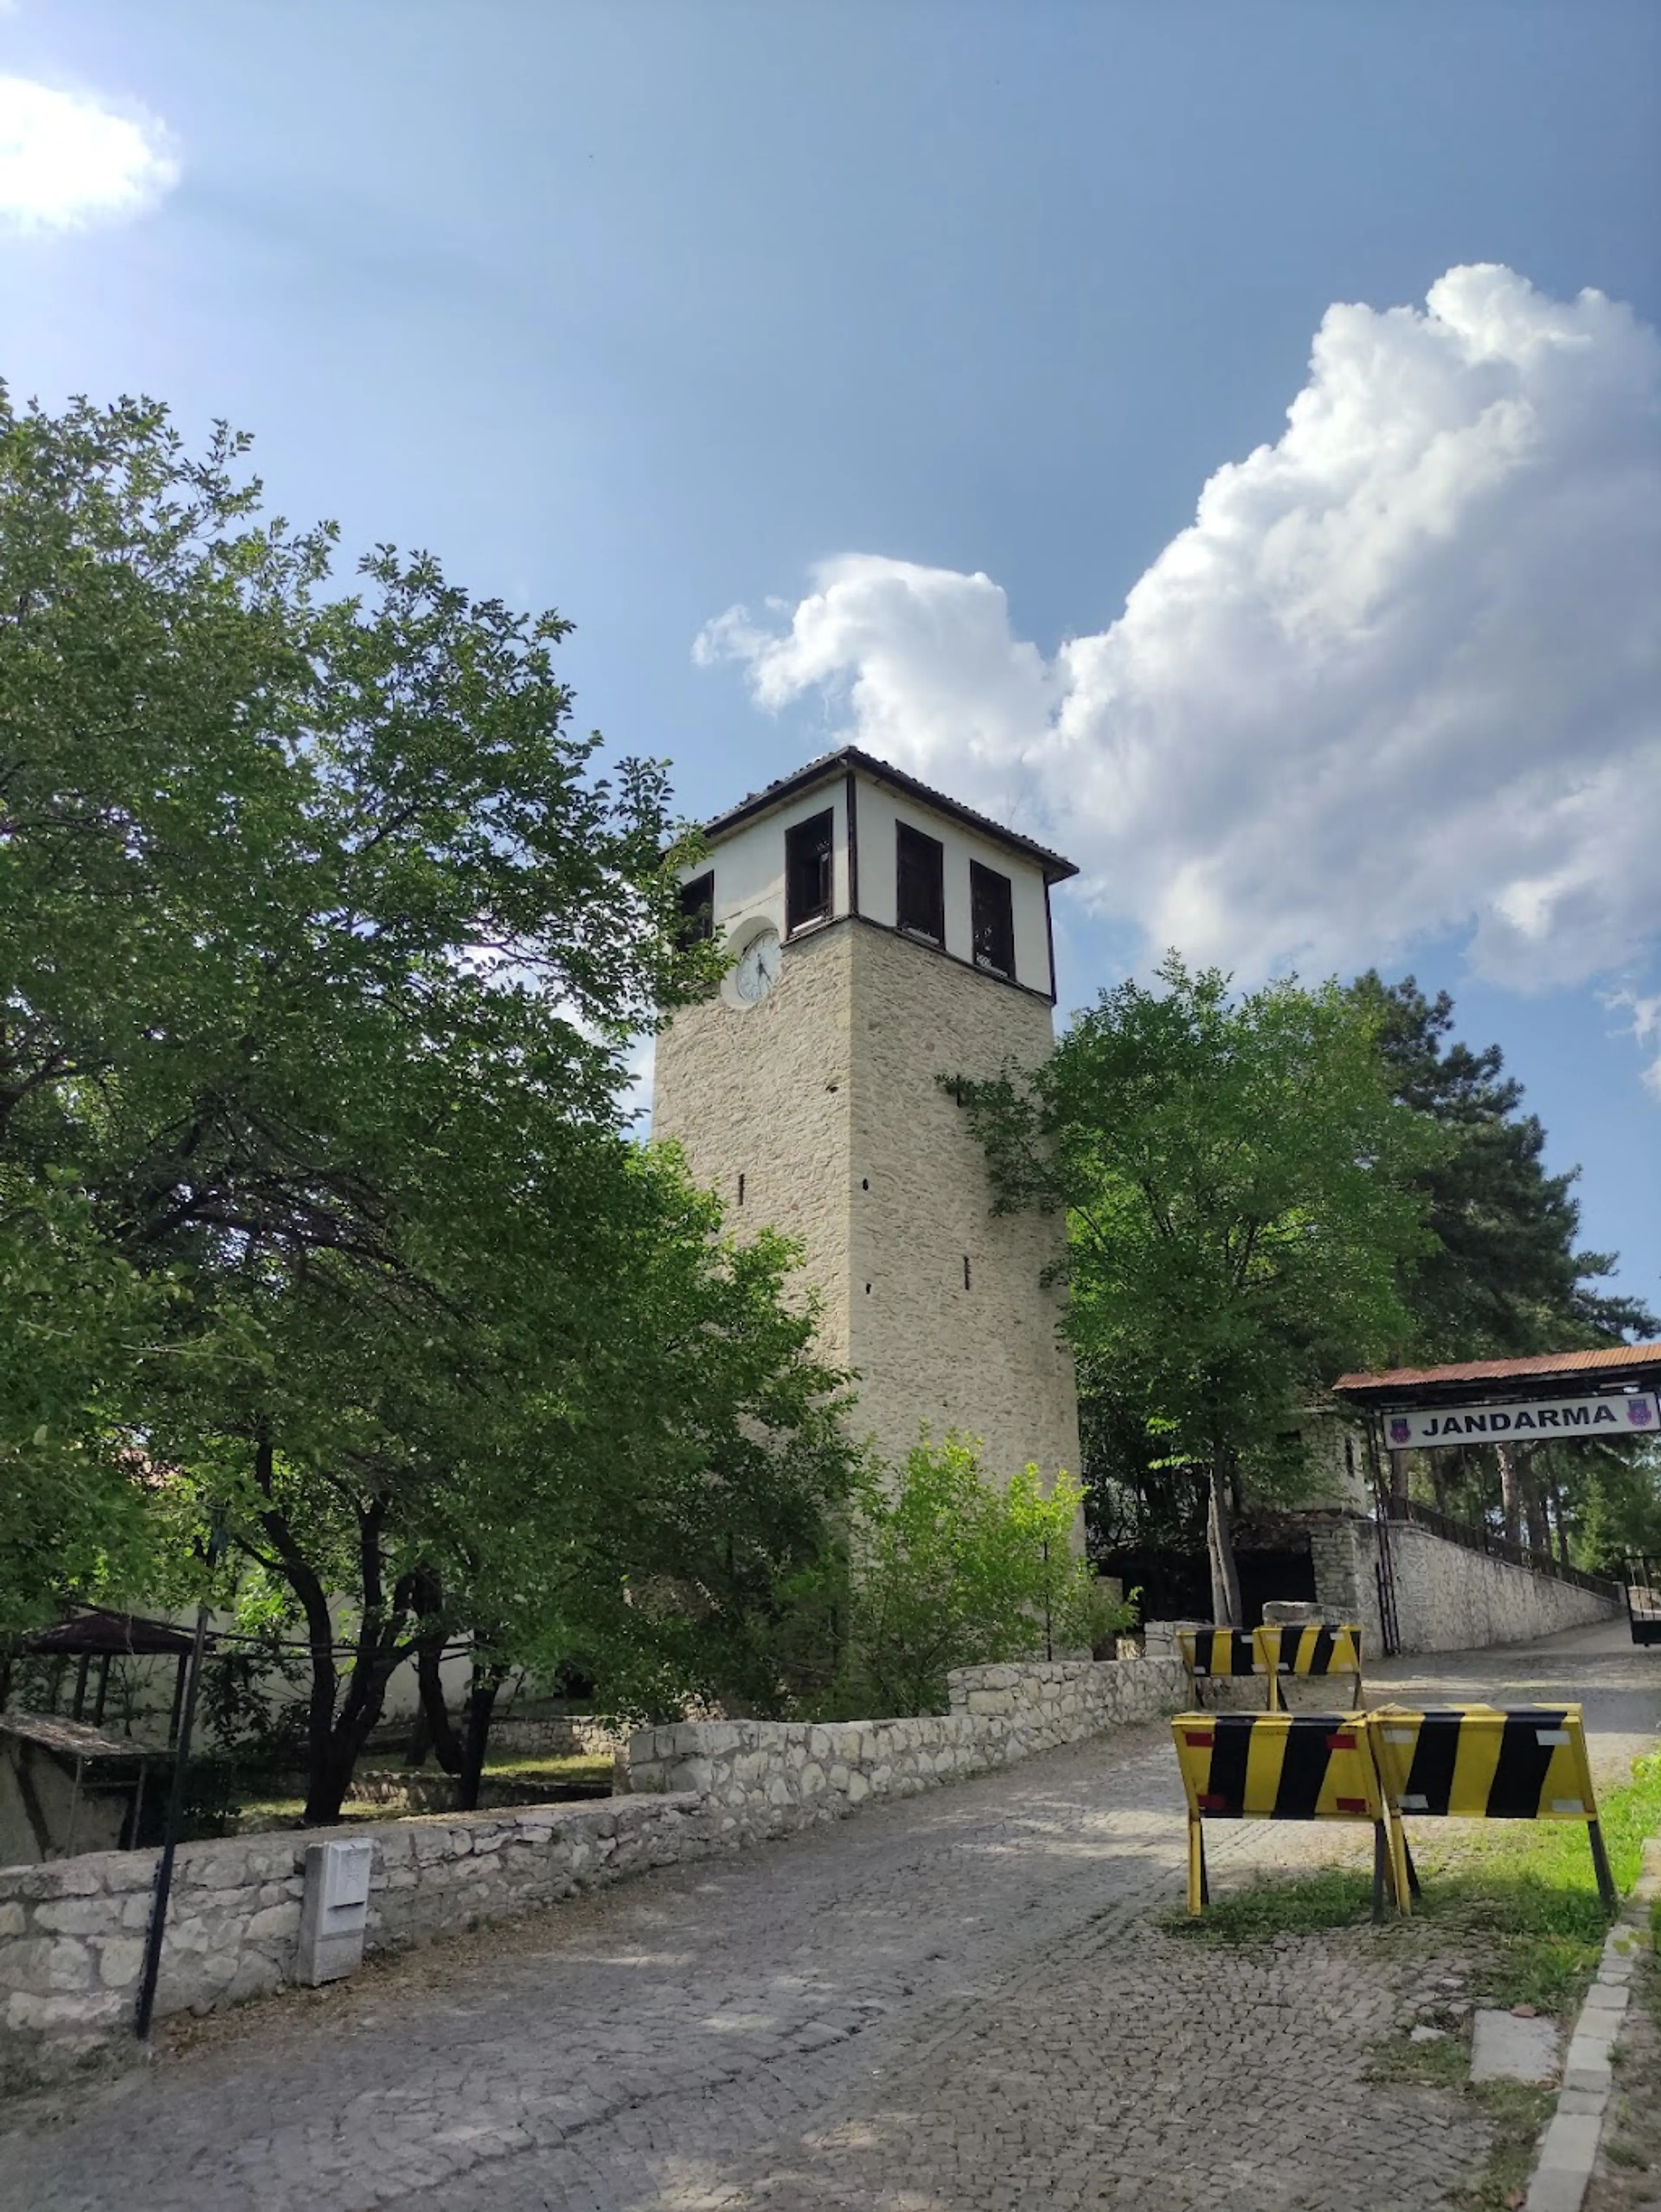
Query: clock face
[(758, 968)]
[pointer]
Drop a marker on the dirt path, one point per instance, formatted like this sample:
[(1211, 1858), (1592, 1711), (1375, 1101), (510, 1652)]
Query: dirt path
[(951, 2003)]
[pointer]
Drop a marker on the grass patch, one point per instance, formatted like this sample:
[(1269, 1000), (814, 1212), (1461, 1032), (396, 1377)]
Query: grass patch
[(1441, 2065), (254, 1814), (1516, 2115), (538, 1766), (1272, 1905), (1524, 1891)]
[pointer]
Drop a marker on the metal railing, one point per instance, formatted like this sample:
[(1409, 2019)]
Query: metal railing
[(1477, 1537)]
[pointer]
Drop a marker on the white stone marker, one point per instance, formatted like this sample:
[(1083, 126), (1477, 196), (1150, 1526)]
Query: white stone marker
[(1506, 2049), (334, 1910)]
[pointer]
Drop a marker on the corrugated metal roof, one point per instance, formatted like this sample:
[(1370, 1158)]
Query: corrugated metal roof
[(1056, 870), (1622, 1363)]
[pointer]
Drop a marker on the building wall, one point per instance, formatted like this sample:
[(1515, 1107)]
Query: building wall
[(880, 809), (984, 1357), (762, 1092), (824, 1099), (749, 862)]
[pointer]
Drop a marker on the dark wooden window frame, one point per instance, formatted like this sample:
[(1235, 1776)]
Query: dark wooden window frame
[(992, 919), (810, 870), (919, 884), (697, 909)]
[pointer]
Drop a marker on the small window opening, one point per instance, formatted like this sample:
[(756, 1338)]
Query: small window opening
[(965, 1271), (992, 919), (867, 1289), (697, 909), (808, 847), (920, 890), (741, 1190), (865, 1182)]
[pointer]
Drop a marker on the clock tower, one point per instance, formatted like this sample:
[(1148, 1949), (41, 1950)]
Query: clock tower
[(882, 936)]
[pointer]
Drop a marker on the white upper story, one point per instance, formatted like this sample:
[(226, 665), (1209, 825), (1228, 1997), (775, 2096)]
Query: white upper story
[(849, 837)]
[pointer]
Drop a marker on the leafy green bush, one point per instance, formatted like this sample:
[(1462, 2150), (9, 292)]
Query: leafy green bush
[(944, 1570)]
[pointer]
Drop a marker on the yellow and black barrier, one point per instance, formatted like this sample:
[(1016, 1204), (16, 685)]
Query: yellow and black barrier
[(1215, 1655), (1308, 1649), (1282, 1766), (1487, 1763)]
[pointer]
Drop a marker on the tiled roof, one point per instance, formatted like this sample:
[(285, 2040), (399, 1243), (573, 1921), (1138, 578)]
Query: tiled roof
[(1056, 870), (1621, 1363)]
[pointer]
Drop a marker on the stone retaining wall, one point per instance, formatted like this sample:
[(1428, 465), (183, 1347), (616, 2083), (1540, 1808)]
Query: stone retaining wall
[(72, 1932), (1447, 1598), (767, 1778), (560, 1735)]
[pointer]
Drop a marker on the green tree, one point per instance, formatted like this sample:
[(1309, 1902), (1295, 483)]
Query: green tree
[(1506, 1276), (321, 937), (76, 1320), (945, 1569), (1236, 1179)]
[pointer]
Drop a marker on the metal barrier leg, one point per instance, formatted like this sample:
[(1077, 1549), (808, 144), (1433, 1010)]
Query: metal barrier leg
[(1404, 1880), (1383, 1872), (1600, 1859), (1199, 1892)]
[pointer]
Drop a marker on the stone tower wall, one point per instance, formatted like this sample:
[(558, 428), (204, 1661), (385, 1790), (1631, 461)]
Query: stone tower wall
[(824, 1099), (983, 1356), (761, 1092)]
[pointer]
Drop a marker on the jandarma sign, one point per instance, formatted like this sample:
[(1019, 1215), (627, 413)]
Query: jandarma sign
[(1637, 1416)]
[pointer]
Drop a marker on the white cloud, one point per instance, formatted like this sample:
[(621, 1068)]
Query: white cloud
[(68, 160), (1644, 1024), (1398, 677)]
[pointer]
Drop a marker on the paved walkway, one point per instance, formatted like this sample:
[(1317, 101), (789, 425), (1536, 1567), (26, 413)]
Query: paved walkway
[(955, 2003)]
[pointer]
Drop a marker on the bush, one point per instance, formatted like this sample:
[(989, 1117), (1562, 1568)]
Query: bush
[(944, 1569)]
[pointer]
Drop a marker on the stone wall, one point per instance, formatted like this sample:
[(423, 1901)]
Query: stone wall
[(72, 1932), (1448, 1598), (557, 1736), (767, 1778)]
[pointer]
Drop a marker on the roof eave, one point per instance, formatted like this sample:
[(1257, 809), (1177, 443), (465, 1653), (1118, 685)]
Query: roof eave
[(829, 766)]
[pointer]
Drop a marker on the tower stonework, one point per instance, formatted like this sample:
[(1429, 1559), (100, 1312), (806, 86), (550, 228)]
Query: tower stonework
[(882, 937)]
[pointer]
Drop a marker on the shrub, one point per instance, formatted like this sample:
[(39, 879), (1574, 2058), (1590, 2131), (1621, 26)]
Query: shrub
[(945, 1569)]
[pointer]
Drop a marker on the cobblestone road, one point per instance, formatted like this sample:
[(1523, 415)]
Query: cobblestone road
[(955, 2003)]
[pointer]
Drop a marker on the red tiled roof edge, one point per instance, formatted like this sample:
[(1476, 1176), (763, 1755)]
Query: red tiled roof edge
[(1611, 1360)]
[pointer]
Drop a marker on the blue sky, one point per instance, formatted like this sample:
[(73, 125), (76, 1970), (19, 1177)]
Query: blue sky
[(902, 344)]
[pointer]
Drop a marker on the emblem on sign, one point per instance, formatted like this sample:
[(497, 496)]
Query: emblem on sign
[(1401, 1432), (1638, 1413)]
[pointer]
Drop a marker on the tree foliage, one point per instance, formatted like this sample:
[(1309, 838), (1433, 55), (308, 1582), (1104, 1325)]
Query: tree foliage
[(945, 1569), (1505, 1275), (321, 937), (1236, 1182)]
